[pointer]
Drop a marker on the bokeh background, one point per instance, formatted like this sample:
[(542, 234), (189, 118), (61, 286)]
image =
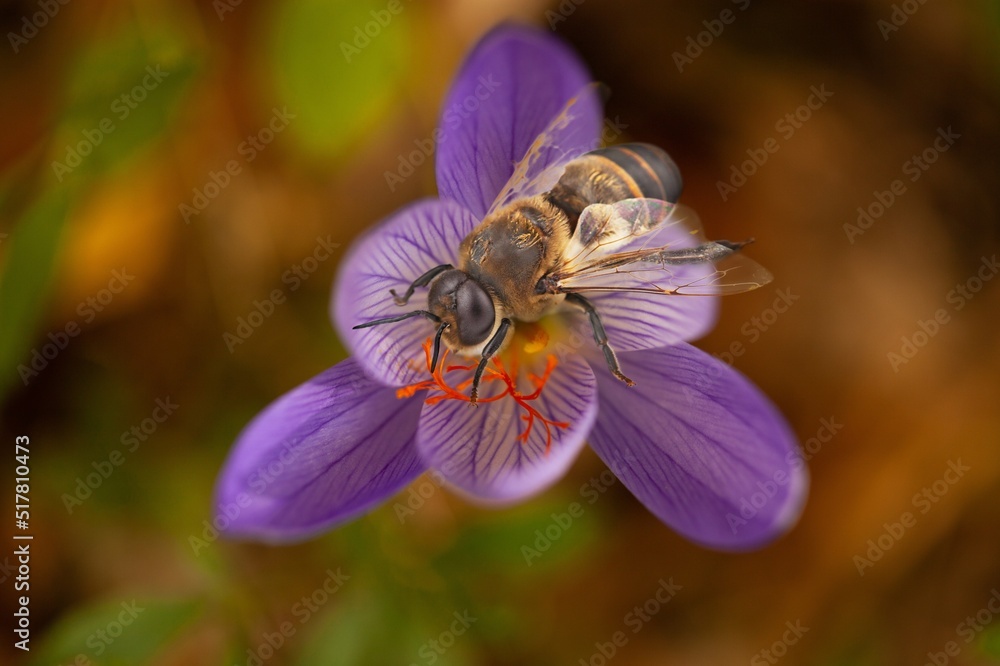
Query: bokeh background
[(879, 429)]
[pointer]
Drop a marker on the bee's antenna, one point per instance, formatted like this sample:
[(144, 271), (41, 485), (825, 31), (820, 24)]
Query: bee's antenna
[(392, 320), (442, 325)]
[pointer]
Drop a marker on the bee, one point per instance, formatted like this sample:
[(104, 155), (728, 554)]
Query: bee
[(578, 224)]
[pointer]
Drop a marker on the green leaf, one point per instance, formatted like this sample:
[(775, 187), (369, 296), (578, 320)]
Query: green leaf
[(115, 632), (336, 65)]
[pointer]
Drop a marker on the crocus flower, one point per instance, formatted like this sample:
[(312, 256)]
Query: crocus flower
[(693, 440)]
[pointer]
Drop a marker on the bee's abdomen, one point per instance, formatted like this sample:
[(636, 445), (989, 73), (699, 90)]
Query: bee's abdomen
[(628, 171), (649, 171)]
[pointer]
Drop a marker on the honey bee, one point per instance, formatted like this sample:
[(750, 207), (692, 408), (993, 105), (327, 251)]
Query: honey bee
[(579, 224)]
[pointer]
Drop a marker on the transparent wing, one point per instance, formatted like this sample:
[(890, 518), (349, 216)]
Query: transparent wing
[(652, 246), (557, 145)]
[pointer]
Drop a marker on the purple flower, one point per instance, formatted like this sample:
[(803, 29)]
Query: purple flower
[(693, 440)]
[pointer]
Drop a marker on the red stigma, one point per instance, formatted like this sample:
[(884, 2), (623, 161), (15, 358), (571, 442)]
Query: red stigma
[(494, 372)]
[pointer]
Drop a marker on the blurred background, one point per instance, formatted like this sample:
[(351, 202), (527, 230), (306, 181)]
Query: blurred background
[(167, 166)]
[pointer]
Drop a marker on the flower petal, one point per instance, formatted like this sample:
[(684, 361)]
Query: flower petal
[(398, 251), (322, 454), (509, 88), (476, 447), (701, 447)]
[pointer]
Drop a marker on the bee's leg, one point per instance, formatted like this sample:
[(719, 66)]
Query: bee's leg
[(421, 281), (489, 350), (600, 336)]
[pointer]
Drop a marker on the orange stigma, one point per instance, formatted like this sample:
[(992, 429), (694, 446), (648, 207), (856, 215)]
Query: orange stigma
[(495, 372)]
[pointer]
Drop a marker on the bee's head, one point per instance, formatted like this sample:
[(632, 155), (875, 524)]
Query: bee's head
[(465, 306)]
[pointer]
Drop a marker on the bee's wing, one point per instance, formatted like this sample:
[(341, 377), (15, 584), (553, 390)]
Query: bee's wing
[(550, 152), (651, 246)]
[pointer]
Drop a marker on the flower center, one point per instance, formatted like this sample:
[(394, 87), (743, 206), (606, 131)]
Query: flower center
[(529, 339)]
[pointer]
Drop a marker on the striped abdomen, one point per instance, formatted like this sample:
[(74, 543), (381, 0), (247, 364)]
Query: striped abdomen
[(628, 171)]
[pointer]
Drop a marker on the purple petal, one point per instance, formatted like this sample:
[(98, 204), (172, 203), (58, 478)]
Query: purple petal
[(401, 249), (476, 448), (636, 319), (701, 447), (509, 88), (322, 454)]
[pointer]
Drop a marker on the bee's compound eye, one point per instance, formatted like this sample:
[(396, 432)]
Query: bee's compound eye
[(474, 313)]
